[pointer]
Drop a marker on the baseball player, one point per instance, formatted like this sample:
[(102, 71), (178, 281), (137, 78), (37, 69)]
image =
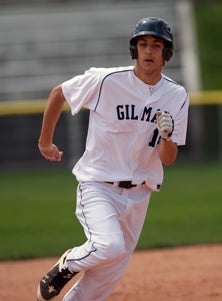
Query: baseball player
[(138, 117)]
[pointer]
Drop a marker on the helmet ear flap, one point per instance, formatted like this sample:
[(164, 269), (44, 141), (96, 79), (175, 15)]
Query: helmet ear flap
[(167, 53), (133, 51)]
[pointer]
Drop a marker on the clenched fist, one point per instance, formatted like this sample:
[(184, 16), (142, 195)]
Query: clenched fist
[(51, 153), (165, 124)]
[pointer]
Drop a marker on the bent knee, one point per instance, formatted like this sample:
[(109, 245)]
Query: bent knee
[(111, 247)]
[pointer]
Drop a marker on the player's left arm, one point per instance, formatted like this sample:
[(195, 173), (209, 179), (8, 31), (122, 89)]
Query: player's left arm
[(167, 151), (166, 148)]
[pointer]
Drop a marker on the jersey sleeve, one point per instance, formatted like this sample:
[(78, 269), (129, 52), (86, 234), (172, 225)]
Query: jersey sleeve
[(82, 91), (180, 122)]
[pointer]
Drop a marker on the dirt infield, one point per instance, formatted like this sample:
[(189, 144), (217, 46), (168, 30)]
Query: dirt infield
[(180, 274)]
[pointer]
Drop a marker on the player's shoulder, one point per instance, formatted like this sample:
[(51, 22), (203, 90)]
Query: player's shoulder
[(104, 72), (172, 84)]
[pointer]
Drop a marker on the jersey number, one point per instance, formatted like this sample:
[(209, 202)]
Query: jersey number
[(153, 141)]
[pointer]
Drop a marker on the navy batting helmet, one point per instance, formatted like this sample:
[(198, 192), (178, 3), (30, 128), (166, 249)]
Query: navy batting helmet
[(155, 27)]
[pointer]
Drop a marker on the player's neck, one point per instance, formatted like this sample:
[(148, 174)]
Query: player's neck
[(151, 78)]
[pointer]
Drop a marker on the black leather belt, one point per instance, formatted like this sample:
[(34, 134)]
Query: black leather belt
[(125, 184)]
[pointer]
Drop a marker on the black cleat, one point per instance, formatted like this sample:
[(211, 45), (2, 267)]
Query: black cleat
[(54, 281)]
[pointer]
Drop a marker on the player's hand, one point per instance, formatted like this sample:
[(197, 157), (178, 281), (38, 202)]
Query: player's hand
[(165, 124), (51, 152)]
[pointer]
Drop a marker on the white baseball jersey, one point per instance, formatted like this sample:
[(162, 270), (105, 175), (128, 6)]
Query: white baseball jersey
[(122, 135)]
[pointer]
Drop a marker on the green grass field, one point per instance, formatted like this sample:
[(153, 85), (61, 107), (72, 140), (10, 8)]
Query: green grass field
[(37, 211), (188, 210)]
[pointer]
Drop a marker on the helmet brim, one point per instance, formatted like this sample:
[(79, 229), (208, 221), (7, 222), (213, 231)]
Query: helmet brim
[(150, 33)]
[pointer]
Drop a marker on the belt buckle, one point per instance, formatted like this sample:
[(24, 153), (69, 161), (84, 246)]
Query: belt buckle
[(126, 184)]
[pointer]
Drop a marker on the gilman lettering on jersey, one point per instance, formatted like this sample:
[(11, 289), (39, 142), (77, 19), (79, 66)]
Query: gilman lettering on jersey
[(128, 112)]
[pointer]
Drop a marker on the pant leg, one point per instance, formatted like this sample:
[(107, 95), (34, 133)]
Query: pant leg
[(99, 281), (99, 218)]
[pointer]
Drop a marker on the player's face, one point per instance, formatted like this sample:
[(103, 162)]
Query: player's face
[(150, 61)]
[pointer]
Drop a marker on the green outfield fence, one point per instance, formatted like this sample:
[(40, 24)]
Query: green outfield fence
[(37, 106)]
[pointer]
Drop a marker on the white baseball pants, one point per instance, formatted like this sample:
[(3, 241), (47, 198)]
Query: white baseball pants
[(112, 219)]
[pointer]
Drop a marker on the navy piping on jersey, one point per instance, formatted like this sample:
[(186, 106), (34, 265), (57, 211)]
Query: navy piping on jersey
[(183, 105), (94, 248), (100, 90), (171, 80)]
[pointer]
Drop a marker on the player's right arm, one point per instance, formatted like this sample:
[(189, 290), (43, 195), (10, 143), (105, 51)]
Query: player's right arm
[(51, 115), (166, 148)]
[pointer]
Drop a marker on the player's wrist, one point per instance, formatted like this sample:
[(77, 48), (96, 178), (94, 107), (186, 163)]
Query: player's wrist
[(44, 147), (168, 139)]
